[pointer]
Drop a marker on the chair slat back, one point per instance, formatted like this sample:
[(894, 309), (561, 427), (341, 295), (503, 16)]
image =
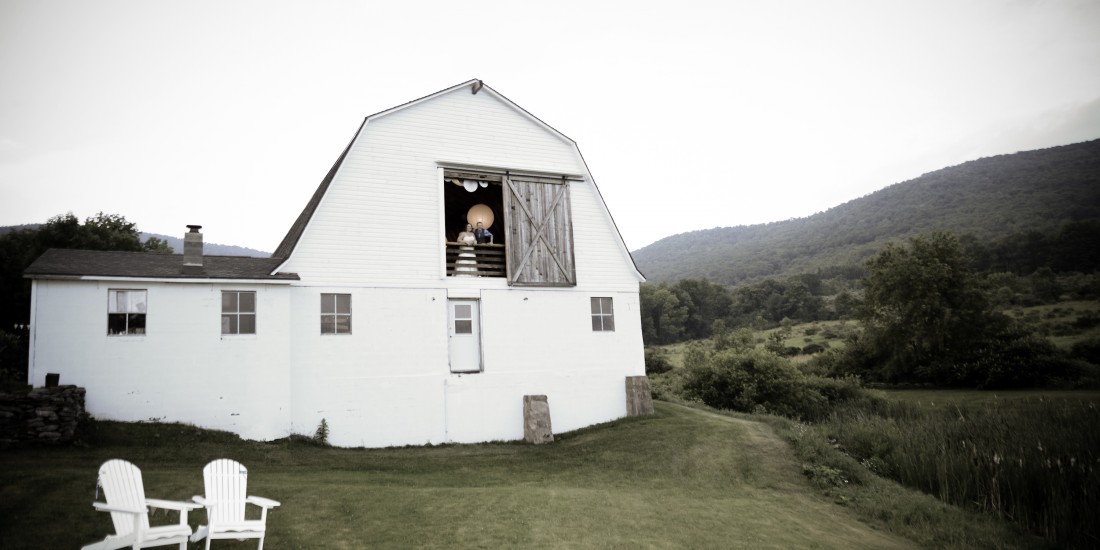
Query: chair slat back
[(226, 484), (122, 487)]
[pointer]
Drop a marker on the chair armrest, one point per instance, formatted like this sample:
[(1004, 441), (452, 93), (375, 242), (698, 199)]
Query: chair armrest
[(263, 502), (104, 507), (171, 504), (201, 501)]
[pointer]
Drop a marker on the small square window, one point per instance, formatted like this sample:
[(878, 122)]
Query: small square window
[(238, 312), (603, 315), (126, 311), (335, 313)]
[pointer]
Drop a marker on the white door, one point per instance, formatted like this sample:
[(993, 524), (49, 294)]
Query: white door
[(464, 335)]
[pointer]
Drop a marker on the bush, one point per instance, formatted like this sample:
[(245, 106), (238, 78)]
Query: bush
[(1087, 350), (812, 349), (13, 360), (753, 381), (838, 390), (656, 361)]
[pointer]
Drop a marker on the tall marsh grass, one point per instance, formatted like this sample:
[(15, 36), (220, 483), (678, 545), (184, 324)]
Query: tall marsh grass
[(1032, 460)]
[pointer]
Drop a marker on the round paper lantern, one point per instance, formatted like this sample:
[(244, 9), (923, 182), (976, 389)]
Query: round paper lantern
[(480, 213)]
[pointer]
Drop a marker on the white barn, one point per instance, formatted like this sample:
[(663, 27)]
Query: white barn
[(370, 314)]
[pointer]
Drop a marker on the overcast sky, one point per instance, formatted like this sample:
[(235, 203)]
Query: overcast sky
[(691, 114)]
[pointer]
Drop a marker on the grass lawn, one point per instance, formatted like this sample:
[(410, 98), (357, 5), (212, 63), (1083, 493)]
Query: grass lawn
[(680, 478)]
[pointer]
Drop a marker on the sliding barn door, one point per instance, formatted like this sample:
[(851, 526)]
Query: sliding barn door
[(540, 232)]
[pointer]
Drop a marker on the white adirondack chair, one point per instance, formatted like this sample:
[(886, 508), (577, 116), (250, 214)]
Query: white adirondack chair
[(226, 486), (125, 495)]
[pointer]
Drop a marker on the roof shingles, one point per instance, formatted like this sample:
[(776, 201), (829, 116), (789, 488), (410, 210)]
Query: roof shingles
[(57, 262)]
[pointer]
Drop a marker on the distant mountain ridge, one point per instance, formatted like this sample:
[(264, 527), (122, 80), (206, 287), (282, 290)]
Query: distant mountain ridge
[(211, 249), (988, 198)]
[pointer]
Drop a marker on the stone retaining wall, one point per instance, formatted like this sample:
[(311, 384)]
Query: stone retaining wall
[(45, 415)]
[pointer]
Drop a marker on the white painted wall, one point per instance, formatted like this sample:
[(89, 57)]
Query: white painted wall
[(182, 369), (388, 382)]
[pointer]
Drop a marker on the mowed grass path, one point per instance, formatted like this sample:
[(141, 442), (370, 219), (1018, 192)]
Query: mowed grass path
[(681, 478)]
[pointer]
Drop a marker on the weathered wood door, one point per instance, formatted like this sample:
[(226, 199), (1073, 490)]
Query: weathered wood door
[(540, 232), (464, 335)]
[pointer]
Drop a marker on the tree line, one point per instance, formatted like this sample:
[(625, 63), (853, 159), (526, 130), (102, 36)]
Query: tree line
[(1021, 269)]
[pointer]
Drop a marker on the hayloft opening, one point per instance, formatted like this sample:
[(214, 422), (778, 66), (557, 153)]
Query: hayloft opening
[(470, 197)]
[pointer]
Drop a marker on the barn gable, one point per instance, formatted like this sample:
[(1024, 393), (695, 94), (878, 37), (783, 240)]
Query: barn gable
[(386, 207)]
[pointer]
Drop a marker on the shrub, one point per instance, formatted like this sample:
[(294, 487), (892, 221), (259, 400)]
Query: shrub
[(812, 349), (838, 390), (656, 361), (1088, 350), (321, 435), (752, 381)]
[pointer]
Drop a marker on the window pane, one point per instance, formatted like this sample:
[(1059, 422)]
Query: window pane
[(328, 303), (137, 302), (229, 324), (462, 311), (116, 323), (464, 327), (343, 303), (228, 303), (595, 306), (136, 323), (343, 324), (609, 322), (116, 301), (597, 325), (247, 324), (328, 324), (605, 306), (247, 301)]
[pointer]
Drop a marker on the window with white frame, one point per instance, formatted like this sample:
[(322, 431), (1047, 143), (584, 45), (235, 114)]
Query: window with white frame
[(603, 315), (126, 310), (335, 313), (238, 312)]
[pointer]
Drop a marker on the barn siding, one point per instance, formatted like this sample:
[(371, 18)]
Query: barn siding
[(394, 365), (182, 369)]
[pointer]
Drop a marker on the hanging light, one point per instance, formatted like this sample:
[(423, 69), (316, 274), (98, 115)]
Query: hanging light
[(470, 185), (480, 213)]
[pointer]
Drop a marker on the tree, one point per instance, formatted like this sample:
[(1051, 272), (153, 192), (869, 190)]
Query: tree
[(663, 315), (707, 302), (928, 318), (922, 304)]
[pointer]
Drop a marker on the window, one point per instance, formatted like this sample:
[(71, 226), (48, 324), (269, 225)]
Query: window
[(336, 314), (238, 312), (126, 312), (603, 315)]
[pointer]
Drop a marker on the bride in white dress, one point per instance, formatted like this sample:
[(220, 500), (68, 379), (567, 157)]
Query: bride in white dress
[(465, 265)]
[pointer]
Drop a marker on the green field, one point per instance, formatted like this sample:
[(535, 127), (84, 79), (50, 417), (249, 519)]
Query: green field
[(680, 478)]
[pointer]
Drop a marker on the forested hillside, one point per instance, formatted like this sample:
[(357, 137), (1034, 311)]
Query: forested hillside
[(1032, 192)]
